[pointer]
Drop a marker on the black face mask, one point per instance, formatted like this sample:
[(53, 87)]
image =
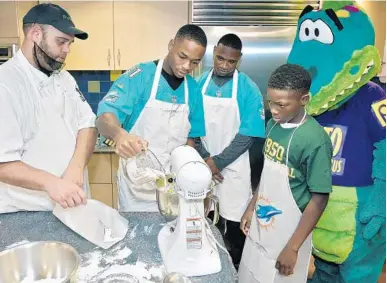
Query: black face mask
[(41, 56)]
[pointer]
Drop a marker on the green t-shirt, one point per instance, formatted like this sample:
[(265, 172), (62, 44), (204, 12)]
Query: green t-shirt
[(310, 156)]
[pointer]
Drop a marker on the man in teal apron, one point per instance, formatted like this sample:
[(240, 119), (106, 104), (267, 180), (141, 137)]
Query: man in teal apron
[(234, 117), (159, 103)]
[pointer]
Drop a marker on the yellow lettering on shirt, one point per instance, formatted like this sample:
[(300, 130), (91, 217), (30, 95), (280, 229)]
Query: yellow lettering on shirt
[(274, 150), (336, 135), (337, 166), (379, 109), (291, 173)]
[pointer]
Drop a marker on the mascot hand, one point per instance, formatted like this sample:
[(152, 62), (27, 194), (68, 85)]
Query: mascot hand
[(373, 215)]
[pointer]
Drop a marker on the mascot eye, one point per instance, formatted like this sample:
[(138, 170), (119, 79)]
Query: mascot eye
[(306, 32), (322, 32)]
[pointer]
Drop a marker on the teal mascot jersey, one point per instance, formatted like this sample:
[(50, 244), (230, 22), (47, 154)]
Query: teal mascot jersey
[(336, 45)]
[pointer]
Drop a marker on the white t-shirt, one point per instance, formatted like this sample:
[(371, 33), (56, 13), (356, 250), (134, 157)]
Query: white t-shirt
[(26, 130)]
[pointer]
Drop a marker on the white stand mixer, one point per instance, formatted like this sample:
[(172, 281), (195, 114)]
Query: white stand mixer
[(189, 248)]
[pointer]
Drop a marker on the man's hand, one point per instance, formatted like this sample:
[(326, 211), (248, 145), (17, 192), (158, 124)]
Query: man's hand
[(74, 174), (65, 192), (246, 219), (287, 261), (215, 171), (191, 142), (218, 177), (128, 145)]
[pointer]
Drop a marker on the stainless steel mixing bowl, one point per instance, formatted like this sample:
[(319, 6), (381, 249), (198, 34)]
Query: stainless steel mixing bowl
[(37, 261), (176, 278), (168, 204)]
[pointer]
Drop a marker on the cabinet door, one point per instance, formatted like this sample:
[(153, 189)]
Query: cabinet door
[(23, 8), (102, 193), (95, 18), (8, 19), (100, 169), (143, 29)]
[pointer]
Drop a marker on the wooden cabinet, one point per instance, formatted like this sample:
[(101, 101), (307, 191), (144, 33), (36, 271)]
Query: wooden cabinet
[(122, 34), (376, 10), (102, 178), (8, 19), (143, 29), (22, 8), (102, 193), (96, 18), (11, 20), (100, 168)]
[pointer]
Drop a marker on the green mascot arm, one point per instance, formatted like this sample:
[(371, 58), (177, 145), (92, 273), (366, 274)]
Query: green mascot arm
[(374, 214)]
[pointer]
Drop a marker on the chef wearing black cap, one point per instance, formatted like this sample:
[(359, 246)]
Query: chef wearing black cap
[(47, 131)]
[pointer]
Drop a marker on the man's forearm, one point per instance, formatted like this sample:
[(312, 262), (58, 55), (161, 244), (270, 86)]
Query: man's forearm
[(19, 174), (309, 219), (109, 126), (199, 146), (253, 201), (85, 147), (238, 146)]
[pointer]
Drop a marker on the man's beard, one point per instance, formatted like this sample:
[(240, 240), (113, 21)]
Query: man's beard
[(43, 60)]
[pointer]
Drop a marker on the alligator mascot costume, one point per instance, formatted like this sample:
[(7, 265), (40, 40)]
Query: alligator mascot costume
[(336, 45)]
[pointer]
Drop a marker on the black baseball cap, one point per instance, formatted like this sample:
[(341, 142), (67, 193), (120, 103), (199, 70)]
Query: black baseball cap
[(54, 15)]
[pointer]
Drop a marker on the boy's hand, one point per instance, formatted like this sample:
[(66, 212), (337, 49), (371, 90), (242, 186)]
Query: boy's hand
[(246, 220), (215, 171), (287, 261)]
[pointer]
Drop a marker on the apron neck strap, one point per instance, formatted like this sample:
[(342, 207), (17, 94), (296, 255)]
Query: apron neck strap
[(156, 79), (207, 82), (234, 83), (235, 78), (291, 137), (186, 91), (156, 82)]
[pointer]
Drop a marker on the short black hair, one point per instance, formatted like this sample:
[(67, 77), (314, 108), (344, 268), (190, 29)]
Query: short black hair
[(192, 32), (231, 40), (290, 77)]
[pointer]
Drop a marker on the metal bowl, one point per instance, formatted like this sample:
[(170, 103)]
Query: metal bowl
[(38, 261), (168, 203), (176, 277)]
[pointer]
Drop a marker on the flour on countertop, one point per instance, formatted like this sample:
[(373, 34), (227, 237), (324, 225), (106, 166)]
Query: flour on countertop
[(148, 229), (106, 266), (133, 232)]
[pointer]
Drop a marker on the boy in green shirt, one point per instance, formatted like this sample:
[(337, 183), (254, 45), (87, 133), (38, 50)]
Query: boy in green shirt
[(294, 187)]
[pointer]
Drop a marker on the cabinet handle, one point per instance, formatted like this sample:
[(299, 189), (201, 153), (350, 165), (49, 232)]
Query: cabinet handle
[(108, 57), (119, 57)]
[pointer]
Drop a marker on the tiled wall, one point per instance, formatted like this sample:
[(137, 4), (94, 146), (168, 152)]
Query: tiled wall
[(95, 84)]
